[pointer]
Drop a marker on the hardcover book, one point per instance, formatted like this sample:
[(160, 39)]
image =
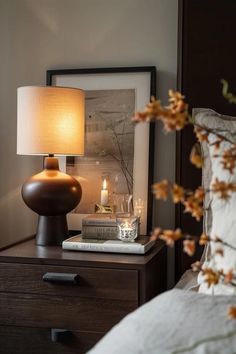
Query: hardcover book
[(77, 243), (100, 232), (100, 219)]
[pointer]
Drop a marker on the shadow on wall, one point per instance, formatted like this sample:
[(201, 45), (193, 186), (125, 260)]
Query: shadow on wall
[(16, 219), (164, 159), (14, 212), (164, 167)]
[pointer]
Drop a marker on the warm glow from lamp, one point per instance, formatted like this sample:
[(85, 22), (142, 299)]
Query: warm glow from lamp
[(50, 120)]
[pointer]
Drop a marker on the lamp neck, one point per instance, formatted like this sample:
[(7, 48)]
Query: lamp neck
[(51, 163)]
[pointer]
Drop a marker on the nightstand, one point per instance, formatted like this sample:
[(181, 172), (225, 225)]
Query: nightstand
[(63, 302)]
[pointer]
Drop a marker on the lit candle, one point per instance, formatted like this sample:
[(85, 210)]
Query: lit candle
[(127, 232), (127, 227), (104, 193)]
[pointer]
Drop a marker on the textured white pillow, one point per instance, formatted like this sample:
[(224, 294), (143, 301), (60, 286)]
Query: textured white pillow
[(223, 212), (207, 117)]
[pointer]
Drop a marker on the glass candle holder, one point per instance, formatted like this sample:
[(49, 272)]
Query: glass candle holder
[(127, 227)]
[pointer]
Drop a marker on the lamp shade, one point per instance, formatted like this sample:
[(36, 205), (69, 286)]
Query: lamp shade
[(50, 120)]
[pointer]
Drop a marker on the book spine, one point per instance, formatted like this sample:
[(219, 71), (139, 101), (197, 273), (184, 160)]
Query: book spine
[(100, 237), (77, 246), (99, 232), (96, 222)]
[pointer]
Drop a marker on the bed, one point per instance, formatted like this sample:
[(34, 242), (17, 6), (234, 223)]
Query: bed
[(188, 319), (178, 321)]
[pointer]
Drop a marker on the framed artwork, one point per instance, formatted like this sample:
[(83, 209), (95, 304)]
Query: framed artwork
[(117, 168)]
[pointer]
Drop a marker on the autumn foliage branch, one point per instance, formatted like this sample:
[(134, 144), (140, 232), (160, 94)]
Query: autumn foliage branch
[(175, 117)]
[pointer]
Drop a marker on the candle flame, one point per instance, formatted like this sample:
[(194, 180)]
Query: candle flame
[(104, 184)]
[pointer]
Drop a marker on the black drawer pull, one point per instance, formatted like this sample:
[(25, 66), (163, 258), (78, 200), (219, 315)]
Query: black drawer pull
[(61, 278), (60, 335)]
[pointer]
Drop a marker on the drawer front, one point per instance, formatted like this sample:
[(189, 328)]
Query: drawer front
[(23, 340), (92, 282), (85, 314)]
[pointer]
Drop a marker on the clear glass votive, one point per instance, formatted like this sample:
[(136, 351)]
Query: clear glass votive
[(127, 227)]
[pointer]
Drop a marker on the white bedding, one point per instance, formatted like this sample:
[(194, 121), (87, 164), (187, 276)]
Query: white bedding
[(177, 321)]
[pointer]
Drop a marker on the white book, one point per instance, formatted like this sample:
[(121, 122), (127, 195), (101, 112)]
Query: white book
[(140, 246)]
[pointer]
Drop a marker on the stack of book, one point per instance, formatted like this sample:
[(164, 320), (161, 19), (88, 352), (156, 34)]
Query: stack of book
[(99, 234), (99, 227)]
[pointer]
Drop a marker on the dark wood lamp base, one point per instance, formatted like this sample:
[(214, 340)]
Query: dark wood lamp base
[(51, 230), (51, 194)]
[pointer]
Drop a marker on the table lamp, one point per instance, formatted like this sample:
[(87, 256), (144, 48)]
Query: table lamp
[(50, 121)]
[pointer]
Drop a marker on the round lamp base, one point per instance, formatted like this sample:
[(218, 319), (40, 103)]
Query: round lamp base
[(51, 194)]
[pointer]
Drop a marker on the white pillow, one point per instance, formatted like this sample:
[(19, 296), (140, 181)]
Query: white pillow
[(207, 117), (223, 212)]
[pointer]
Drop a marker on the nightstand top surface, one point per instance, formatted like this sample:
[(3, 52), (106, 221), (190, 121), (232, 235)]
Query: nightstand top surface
[(28, 252)]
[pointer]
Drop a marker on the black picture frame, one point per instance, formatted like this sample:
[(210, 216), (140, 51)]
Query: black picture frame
[(151, 71)]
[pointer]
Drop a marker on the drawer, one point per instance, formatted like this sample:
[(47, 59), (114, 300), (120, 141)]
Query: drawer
[(13, 341), (81, 313), (92, 282)]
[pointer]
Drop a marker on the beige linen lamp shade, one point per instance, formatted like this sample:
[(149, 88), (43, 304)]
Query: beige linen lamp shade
[(50, 120)]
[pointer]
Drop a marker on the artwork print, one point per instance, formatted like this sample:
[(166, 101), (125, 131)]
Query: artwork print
[(115, 173), (109, 149)]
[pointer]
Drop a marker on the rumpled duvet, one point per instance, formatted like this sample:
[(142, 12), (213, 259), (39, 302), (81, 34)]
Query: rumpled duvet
[(177, 321)]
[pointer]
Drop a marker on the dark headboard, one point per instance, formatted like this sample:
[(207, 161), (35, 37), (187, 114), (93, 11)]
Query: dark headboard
[(206, 54)]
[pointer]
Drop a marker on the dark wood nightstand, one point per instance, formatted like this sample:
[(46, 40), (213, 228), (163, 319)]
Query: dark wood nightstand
[(71, 314)]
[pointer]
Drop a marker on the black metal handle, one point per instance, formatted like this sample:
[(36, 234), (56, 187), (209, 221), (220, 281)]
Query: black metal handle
[(59, 335), (61, 278)]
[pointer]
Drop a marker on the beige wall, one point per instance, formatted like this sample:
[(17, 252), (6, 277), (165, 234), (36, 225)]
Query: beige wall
[(36, 35)]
